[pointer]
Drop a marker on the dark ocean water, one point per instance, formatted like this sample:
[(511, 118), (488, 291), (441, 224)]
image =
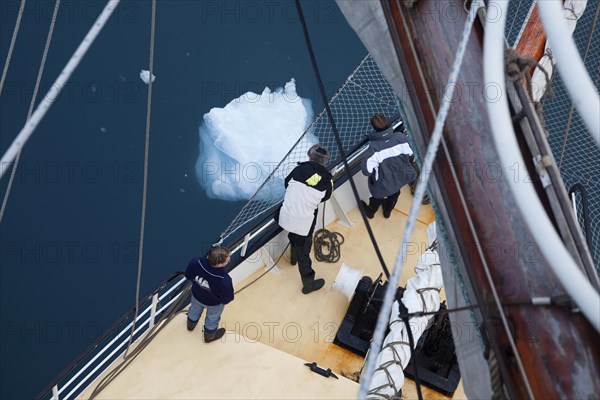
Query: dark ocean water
[(69, 238)]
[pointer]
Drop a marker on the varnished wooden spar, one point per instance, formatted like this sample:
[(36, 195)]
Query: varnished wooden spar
[(533, 39), (553, 343)]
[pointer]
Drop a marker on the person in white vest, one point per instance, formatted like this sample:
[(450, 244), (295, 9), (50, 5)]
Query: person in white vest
[(309, 184)]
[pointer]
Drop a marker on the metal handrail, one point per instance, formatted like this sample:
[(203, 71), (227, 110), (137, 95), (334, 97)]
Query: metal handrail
[(123, 332), (51, 387)]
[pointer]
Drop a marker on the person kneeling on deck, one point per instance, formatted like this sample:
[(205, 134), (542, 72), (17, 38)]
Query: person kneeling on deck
[(211, 289), (386, 163), (306, 186)]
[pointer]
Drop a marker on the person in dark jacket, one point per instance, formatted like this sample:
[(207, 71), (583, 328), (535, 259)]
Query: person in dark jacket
[(386, 163), (309, 184), (211, 289)]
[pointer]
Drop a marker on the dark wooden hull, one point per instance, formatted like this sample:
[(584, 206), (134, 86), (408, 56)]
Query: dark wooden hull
[(558, 349)]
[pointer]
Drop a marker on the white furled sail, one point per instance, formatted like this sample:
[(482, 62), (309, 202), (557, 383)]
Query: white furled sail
[(572, 11), (422, 295)]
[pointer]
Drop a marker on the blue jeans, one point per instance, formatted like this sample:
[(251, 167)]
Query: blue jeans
[(213, 314)]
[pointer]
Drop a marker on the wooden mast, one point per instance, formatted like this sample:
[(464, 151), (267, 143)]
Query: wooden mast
[(551, 341)]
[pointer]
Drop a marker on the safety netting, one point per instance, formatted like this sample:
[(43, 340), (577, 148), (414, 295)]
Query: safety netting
[(364, 93)]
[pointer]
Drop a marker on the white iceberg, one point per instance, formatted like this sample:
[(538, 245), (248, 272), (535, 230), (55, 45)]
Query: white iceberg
[(145, 75), (242, 143)]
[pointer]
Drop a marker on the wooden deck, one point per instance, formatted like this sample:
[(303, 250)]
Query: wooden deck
[(273, 329)]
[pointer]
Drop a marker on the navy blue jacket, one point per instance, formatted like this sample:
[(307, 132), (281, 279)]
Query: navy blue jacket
[(210, 286)]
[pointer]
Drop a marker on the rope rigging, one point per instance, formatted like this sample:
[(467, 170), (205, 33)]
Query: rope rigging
[(57, 86), (145, 189), (33, 99), (127, 357)]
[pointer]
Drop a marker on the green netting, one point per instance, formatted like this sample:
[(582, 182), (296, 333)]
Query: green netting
[(364, 93)]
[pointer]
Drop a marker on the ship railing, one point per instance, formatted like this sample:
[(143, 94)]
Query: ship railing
[(111, 345)]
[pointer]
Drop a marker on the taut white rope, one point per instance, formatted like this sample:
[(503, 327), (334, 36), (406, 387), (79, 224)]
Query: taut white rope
[(56, 88), (33, 99)]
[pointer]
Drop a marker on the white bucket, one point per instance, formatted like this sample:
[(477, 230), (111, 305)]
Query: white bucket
[(346, 280)]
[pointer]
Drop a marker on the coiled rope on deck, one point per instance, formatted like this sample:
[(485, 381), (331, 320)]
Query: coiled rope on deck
[(328, 245)]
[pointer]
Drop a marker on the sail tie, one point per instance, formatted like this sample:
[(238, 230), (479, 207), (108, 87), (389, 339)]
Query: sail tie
[(517, 69)]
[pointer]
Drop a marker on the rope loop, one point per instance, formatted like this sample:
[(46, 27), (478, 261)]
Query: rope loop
[(328, 245)]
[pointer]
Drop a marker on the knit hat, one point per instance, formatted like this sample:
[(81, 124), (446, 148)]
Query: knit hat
[(318, 154), (379, 122)]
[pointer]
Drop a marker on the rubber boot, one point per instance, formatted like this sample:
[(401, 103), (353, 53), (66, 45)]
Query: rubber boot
[(388, 205), (368, 211), (191, 325), (293, 256), (310, 284), (211, 336)]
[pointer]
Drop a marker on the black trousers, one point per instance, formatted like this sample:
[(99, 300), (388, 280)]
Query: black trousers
[(387, 202), (302, 245)]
